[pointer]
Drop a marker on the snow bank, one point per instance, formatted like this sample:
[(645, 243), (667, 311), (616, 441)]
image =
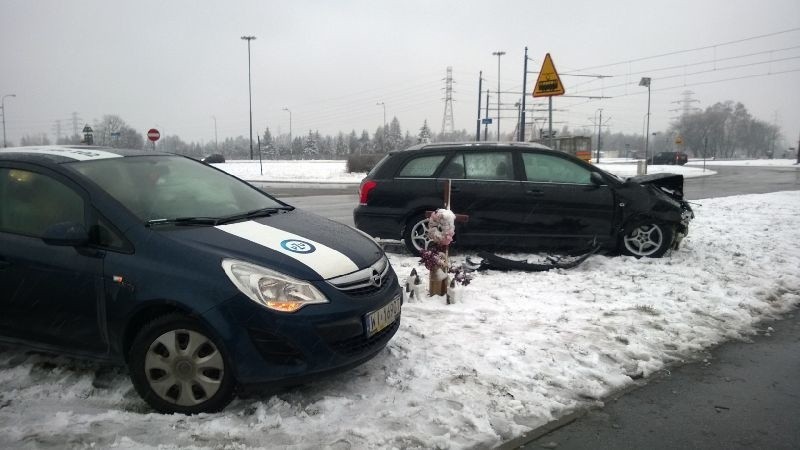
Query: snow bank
[(746, 162), (519, 350), (302, 171)]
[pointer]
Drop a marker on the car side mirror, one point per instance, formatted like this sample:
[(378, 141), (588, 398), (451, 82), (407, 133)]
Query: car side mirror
[(597, 179), (68, 234)]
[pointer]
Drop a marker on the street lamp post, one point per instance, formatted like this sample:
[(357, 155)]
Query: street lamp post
[(498, 54), (645, 81), (3, 107), (383, 144), (216, 141), (290, 130), (249, 91)]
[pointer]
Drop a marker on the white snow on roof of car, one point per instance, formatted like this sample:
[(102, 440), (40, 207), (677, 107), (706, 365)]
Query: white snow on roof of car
[(78, 154)]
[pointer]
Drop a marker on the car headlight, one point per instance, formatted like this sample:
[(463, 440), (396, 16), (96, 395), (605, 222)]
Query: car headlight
[(270, 288)]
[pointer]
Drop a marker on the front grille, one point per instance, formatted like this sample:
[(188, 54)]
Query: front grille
[(361, 344), (365, 281)]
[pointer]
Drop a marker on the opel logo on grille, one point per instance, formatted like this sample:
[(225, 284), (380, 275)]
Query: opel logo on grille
[(375, 279)]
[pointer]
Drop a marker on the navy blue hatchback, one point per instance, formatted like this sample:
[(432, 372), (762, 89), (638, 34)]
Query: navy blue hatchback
[(197, 281)]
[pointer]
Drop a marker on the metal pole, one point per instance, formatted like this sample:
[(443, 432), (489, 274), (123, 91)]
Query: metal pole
[(524, 95), (383, 143), (599, 127), (798, 143), (290, 130), (250, 91), (216, 141), (550, 122), (705, 151), (647, 136), (498, 54), (3, 107), (486, 124), (480, 91), (260, 164)]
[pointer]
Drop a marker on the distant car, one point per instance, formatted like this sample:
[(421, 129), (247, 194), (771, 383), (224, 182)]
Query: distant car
[(669, 158), (521, 196), (216, 158), (197, 281)]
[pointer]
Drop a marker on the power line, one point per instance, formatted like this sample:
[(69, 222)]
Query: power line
[(707, 47)]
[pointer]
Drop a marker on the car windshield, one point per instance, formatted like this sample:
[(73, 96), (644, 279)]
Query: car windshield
[(164, 188)]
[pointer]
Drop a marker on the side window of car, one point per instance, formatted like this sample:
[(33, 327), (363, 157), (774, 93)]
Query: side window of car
[(542, 168), (421, 167), (31, 202), (455, 168), (489, 166)]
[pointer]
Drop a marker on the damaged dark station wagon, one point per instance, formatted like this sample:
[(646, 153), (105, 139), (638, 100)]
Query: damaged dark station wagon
[(522, 196)]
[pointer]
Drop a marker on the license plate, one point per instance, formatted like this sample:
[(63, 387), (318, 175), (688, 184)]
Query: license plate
[(382, 318)]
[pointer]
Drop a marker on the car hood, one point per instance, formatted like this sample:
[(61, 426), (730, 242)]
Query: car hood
[(671, 181), (297, 243)]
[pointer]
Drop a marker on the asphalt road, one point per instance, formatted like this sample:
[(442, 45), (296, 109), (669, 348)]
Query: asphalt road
[(742, 180), (741, 395)]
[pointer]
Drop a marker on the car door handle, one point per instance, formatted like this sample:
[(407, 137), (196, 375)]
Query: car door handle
[(455, 189), (4, 264), (534, 192)]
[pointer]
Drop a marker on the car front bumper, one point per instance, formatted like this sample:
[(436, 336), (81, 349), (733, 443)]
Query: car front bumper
[(267, 347)]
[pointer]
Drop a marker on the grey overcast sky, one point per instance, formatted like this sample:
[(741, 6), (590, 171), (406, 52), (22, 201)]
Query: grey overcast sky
[(175, 64)]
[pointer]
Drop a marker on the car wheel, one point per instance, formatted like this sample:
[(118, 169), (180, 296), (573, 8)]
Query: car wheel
[(176, 367), (415, 235), (647, 239)]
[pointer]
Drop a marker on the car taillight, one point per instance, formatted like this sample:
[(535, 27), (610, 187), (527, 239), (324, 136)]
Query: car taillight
[(366, 186)]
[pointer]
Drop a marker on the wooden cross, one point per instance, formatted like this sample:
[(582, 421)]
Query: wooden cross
[(460, 218)]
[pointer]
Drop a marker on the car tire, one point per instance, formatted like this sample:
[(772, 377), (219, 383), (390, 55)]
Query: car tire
[(176, 366), (647, 238), (414, 235)]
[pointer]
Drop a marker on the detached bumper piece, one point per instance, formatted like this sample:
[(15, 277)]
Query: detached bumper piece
[(490, 261)]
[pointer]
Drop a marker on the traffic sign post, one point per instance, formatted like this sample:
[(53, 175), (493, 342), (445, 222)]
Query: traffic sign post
[(153, 135), (548, 85)]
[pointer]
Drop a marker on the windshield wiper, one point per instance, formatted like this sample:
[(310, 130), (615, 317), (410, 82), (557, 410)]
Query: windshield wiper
[(261, 212), (210, 221)]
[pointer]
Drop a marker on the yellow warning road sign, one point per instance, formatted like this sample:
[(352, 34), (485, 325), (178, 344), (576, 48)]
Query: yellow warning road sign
[(548, 84)]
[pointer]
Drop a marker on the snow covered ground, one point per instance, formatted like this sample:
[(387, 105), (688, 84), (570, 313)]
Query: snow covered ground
[(334, 171), (521, 349), (302, 170)]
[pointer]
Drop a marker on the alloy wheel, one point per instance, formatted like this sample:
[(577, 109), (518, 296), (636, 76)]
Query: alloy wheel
[(644, 240), (419, 235)]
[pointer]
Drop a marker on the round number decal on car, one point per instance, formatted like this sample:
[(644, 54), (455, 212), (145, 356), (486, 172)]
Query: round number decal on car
[(297, 246)]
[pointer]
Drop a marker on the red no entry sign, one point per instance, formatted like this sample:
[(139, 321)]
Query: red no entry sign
[(153, 134)]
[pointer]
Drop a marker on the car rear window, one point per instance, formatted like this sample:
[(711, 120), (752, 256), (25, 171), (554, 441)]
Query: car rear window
[(423, 166)]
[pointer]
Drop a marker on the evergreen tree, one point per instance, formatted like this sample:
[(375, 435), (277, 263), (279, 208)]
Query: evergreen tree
[(395, 136), (364, 144), (424, 136), (310, 146), (352, 142)]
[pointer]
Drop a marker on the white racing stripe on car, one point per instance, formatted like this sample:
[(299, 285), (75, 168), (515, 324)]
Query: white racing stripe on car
[(80, 154), (327, 262)]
